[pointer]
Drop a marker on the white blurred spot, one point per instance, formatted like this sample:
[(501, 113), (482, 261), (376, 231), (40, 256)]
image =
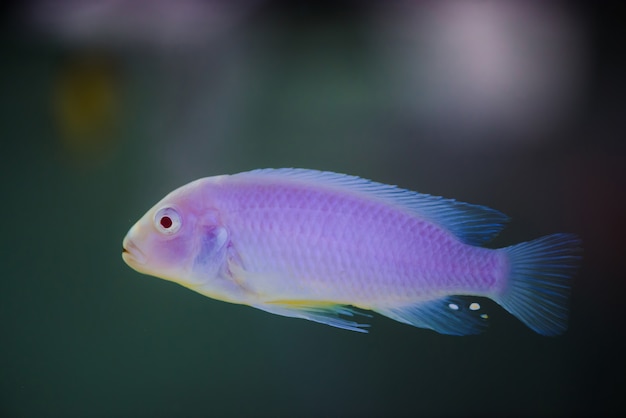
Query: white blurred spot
[(484, 316), (147, 22), (453, 306), (470, 67), (474, 306)]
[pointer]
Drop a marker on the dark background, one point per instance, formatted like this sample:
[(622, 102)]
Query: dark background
[(107, 106)]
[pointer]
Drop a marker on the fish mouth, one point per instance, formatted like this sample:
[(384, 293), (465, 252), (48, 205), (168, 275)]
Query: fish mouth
[(131, 254)]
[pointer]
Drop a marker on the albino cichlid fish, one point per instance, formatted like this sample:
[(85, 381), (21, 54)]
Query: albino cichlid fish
[(316, 245)]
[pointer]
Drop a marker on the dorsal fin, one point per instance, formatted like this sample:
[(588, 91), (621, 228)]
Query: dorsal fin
[(472, 224)]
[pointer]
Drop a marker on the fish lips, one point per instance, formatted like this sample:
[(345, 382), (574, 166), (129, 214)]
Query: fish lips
[(132, 255)]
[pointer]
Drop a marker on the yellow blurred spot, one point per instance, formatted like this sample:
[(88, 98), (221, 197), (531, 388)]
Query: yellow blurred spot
[(86, 106)]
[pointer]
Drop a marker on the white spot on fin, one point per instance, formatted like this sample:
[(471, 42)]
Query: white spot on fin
[(439, 315), (474, 306)]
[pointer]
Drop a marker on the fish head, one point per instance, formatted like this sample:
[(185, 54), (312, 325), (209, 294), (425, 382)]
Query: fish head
[(179, 239)]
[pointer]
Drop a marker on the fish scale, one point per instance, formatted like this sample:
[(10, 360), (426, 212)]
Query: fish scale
[(368, 240)]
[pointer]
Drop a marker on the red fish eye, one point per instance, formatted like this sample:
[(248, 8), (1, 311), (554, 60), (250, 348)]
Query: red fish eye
[(166, 222)]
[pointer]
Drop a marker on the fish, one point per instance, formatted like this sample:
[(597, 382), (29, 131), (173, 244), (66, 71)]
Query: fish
[(331, 247)]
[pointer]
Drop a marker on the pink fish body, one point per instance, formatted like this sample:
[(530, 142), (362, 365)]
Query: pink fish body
[(316, 245)]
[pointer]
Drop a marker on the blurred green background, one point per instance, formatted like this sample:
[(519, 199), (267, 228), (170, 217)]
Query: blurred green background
[(107, 106)]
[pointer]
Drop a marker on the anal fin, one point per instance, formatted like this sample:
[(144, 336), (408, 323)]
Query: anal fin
[(453, 315), (322, 312)]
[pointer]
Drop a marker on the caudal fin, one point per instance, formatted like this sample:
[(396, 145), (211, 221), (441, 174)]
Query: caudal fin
[(539, 283)]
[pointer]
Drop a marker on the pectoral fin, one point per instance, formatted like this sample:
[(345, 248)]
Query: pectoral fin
[(322, 312)]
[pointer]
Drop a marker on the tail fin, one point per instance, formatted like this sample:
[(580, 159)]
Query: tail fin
[(538, 287)]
